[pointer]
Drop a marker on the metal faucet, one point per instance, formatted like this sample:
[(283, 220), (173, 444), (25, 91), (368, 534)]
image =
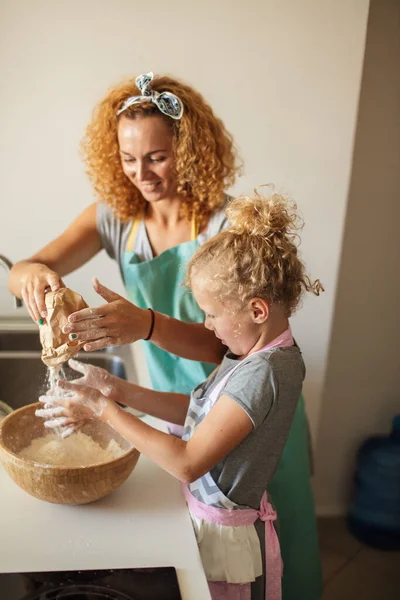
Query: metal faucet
[(7, 264)]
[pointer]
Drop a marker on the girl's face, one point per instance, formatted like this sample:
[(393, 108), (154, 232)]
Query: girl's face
[(234, 327), (147, 158)]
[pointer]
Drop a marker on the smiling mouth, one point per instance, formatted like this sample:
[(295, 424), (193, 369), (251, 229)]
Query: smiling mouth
[(150, 187)]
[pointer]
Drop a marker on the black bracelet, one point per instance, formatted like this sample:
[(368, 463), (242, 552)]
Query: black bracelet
[(153, 320)]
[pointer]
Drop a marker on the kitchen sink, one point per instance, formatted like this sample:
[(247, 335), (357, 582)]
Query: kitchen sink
[(27, 341), (24, 377)]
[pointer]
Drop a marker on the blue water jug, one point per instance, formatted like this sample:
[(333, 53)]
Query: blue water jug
[(374, 516)]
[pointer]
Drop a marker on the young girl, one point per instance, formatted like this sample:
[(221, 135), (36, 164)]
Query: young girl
[(248, 280)]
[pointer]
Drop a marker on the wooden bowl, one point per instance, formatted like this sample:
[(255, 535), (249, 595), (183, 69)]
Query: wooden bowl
[(61, 485)]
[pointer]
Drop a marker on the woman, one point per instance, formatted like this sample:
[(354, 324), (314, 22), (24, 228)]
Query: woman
[(159, 160), (139, 157)]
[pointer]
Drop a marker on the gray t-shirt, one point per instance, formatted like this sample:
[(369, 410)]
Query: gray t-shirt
[(267, 386), (114, 234)]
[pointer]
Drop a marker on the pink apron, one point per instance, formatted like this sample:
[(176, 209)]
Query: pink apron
[(221, 590)]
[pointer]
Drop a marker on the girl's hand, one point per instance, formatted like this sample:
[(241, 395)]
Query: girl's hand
[(116, 323), (79, 405), (33, 285), (100, 379)]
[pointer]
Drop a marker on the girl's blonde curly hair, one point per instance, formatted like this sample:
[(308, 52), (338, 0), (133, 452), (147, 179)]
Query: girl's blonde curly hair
[(206, 160), (257, 256)]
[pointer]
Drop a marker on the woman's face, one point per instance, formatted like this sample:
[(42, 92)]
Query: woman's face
[(147, 158)]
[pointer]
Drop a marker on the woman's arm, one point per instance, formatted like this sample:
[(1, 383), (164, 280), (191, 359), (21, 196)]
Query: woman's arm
[(189, 340), (120, 322), (73, 248)]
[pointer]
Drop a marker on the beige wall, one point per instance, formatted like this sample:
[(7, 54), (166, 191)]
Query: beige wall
[(362, 390), (284, 76)]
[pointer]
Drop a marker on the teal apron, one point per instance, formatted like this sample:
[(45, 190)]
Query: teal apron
[(157, 283), (291, 493)]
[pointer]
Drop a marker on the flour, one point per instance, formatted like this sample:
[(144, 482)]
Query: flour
[(78, 450), (54, 375)]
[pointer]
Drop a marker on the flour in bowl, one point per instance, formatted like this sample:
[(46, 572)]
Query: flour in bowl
[(78, 450)]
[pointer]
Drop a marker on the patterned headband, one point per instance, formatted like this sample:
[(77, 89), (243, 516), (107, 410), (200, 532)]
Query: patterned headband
[(167, 103)]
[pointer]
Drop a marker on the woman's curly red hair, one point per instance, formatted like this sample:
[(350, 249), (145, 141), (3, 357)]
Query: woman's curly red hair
[(206, 160)]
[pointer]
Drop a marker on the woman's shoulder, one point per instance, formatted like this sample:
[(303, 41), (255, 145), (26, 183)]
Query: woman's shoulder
[(107, 219), (113, 232), (218, 222)]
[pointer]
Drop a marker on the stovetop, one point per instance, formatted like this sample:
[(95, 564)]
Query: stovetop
[(159, 583)]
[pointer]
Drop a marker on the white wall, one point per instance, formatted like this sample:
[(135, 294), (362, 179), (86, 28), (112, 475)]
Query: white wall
[(284, 76), (362, 390)]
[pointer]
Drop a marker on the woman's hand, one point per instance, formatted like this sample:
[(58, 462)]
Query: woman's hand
[(34, 282), (116, 323), (74, 407)]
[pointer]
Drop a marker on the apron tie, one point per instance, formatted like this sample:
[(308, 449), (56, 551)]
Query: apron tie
[(243, 517), (273, 560)]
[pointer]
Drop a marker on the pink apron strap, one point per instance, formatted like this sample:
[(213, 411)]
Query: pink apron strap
[(247, 516)]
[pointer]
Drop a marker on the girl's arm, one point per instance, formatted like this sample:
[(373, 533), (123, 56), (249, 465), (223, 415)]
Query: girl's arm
[(224, 428), (168, 406), (97, 382)]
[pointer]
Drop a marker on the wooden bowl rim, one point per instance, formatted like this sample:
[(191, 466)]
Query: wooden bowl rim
[(51, 468)]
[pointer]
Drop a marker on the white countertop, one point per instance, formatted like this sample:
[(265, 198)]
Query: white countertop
[(145, 523)]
